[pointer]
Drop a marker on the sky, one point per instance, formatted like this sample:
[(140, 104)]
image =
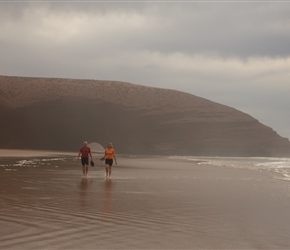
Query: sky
[(236, 53)]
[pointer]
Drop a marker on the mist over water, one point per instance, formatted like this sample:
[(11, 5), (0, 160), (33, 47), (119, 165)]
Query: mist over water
[(150, 203)]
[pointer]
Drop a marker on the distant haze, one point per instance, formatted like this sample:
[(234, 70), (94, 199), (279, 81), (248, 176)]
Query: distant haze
[(235, 53)]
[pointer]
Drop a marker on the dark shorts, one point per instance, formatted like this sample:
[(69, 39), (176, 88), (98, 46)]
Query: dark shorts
[(85, 161), (109, 162)]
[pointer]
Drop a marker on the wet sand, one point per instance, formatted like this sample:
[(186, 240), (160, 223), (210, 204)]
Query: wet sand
[(150, 203), (4, 153)]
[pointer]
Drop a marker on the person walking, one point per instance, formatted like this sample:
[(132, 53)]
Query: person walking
[(85, 153), (109, 157)]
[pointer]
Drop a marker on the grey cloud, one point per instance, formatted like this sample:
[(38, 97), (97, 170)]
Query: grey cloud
[(236, 29), (228, 30)]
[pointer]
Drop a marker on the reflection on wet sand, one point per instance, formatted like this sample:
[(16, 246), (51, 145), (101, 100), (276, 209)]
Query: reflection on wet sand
[(107, 200), (46, 205), (83, 186)]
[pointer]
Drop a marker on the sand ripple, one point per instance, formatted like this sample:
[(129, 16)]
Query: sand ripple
[(140, 208)]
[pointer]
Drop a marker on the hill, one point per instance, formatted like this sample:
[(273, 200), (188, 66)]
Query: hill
[(58, 114)]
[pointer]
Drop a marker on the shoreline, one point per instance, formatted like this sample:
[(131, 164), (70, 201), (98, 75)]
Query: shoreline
[(150, 203)]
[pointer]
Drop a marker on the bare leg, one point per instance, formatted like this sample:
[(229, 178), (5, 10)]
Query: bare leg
[(87, 169), (107, 171), (110, 171), (84, 170)]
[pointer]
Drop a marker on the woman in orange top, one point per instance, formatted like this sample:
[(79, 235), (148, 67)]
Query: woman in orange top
[(109, 156)]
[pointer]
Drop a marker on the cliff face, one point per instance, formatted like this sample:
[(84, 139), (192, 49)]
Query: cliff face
[(58, 114)]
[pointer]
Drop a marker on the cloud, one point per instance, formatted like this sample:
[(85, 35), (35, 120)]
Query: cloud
[(242, 29)]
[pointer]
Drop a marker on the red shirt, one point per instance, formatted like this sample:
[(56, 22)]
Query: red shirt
[(85, 151)]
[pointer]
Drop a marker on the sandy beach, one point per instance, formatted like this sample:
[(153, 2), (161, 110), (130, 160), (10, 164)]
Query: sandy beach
[(150, 203)]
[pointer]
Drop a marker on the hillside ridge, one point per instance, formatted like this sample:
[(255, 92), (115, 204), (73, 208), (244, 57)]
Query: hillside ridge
[(58, 114)]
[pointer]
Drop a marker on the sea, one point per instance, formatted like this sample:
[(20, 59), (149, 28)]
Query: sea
[(278, 167)]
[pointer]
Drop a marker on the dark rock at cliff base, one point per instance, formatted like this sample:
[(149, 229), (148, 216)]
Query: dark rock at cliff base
[(59, 114)]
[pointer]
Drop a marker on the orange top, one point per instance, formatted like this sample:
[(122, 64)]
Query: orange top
[(109, 153)]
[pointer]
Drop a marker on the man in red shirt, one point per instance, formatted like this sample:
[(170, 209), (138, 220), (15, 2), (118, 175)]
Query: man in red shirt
[(85, 152)]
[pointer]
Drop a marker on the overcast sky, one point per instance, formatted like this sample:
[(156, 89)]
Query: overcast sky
[(235, 53)]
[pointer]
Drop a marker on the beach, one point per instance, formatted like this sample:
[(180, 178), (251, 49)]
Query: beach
[(151, 202)]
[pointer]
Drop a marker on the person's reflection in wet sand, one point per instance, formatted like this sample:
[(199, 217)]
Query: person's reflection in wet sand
[(107, 200), (83, 186)]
